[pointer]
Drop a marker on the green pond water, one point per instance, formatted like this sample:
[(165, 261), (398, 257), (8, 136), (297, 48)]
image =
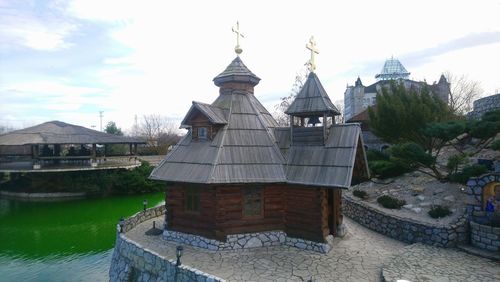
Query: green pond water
[(69, 240)]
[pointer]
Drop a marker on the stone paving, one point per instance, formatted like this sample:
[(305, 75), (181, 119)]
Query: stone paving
[(359, 256), (420, 262)]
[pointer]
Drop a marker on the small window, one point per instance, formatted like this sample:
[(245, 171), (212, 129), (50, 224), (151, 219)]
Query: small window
[(192, 199), (202, 132), (252, 201)]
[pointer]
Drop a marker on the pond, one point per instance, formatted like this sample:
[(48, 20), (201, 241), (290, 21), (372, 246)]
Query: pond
[(69, 240)]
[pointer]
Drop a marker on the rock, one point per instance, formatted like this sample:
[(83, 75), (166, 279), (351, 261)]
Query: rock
[(421, 197), (341, 230), (418, 189), (408, 207), (417, 210), (425, 204), (253, 243), (449, 198), (438, 191)]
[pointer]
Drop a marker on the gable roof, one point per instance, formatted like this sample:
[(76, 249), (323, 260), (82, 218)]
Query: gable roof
[(58, 132), (215, 115), (312, 99), (330, 165)]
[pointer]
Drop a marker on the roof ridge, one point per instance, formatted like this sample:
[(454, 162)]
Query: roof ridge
[(219, 147), (271, 136)]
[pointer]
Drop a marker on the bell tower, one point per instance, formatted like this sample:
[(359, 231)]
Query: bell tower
[(311, 113)]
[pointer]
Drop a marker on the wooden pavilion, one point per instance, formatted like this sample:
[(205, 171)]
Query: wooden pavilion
[(56, 142), (237, 172)]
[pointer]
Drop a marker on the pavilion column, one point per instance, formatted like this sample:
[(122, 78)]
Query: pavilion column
[(324, 127), (130, 149), (34, 156), (93, 161)]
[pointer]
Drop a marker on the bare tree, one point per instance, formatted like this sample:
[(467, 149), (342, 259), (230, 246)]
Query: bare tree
[(279, 109), (159, 131), (463, 92), (339, 104)]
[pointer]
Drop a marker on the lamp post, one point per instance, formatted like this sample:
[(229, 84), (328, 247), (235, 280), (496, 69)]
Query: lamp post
[(122, 224), (178, 253), (145, 203)]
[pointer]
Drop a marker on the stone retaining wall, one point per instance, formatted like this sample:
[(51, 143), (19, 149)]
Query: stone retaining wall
[(483, 105), (405, 229), (485, 237), (133, 262), (248, 240)]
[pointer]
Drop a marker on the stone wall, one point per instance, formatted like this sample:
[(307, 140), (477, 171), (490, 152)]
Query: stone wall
[(474, 191), (248, 240), (133, 262), (484, 105), (485, 237), (405, 229)]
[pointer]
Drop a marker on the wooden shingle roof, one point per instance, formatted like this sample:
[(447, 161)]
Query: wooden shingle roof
[(250, 148), (58, 132), (312, 99), (215, 114)]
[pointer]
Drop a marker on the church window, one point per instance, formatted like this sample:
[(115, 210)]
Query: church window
[(202, 132), (252, 201)]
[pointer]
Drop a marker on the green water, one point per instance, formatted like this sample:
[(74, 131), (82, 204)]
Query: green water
[(62, 240)]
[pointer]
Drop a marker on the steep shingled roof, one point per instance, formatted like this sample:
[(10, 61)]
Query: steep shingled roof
[(58, 132), (215, 114), (250, 148), (312, 99), (236, 72)]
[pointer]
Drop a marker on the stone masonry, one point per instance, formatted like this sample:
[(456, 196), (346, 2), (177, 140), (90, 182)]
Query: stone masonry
[(485, 237), (405, 229), (474, 192), (248, 240), (484, 105), (133, 262)]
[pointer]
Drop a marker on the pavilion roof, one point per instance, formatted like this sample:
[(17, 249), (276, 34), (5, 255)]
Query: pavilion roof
[(58, 132)]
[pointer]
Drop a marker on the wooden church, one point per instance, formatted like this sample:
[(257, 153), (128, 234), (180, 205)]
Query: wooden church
[(237, 172)]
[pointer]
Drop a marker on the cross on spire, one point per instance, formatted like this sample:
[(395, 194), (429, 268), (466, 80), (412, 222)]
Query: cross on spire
[(236, 30), (312, 47)]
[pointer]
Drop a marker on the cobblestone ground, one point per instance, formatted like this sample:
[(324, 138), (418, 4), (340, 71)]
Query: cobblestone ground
[(420, 262), (359, 256)]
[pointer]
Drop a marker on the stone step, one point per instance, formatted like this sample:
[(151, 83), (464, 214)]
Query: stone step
[(479, 252)]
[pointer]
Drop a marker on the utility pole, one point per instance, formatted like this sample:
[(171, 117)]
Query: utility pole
[(101, 115)]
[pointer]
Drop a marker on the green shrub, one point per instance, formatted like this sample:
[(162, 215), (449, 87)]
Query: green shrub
[(386, 168), (390, 202), (496, 145), (375, 155), (438, 211), (468, 172), (360, 194)]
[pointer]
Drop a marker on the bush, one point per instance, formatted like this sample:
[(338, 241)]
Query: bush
[(496, 145), (360, 194), (375, 155), (386, 168), (439, 211), (468, 172), (390, 202)]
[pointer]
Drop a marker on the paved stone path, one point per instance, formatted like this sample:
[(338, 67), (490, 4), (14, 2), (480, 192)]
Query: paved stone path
[(420, 262), (359, 256)]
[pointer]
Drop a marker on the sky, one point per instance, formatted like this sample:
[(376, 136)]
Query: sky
[(68, 60)]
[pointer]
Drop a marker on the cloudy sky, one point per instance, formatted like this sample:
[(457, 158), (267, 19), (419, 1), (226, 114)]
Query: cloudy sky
[(69, 59)]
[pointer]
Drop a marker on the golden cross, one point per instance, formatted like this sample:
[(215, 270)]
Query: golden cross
[(312, 46), (236, 30)]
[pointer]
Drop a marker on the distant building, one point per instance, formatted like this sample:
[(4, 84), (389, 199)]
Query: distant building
[(484, 105), (358, 97)]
